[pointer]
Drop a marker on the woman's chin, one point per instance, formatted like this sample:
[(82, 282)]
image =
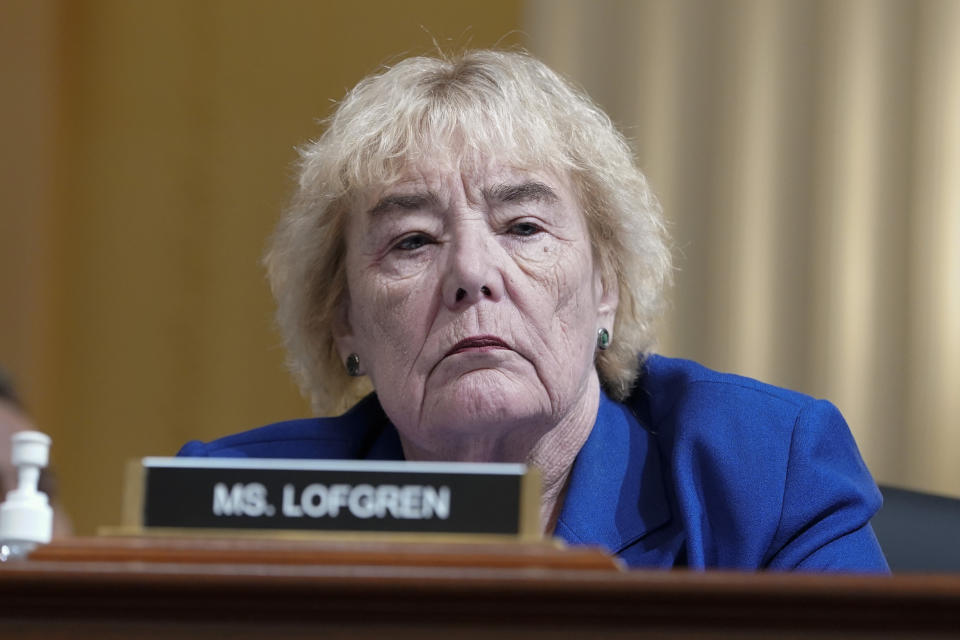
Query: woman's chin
[(482, 386), (484, 402)]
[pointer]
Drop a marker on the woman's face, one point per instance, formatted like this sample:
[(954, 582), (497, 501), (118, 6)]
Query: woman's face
[(474, 305)]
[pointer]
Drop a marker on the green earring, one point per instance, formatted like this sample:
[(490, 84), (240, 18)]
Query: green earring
[(353, 365), (603, 339)]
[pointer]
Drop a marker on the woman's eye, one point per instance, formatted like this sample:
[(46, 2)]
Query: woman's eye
[(412, 243), (524, 229)]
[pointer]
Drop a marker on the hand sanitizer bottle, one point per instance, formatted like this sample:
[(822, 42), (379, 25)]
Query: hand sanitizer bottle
[(26, 518)]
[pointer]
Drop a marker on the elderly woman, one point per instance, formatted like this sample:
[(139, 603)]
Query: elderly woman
[(472, 241)]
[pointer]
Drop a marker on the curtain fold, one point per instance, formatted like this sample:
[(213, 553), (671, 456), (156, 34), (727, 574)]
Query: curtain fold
[(807, 155)]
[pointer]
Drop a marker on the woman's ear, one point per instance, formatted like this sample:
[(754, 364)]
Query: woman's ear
[(608, 301), (343, 336)]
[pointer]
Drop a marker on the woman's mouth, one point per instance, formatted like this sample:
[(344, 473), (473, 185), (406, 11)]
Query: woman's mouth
[(478, 344)]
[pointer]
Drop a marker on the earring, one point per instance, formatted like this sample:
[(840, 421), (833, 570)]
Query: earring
[(603, 339), (353, 365)]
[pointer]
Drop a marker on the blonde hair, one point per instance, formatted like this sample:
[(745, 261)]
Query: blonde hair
[(493, 103)]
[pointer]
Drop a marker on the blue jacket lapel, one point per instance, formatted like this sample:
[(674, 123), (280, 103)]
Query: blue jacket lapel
[(616, 496)]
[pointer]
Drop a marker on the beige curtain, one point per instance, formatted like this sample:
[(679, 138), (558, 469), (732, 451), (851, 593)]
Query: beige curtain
[(808, 157)]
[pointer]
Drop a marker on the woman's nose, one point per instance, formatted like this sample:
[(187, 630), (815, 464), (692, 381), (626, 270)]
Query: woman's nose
[(473, 273)]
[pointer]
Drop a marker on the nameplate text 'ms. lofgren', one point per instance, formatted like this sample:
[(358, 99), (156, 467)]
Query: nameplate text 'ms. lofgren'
[(337, 496)]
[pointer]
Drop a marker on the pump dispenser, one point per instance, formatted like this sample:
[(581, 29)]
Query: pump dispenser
[(26, 518)]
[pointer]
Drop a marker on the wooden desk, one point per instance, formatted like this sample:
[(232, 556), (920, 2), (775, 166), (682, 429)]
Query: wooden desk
[(188, 588)]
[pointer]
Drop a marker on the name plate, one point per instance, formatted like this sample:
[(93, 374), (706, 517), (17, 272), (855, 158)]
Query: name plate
[(335, 496)]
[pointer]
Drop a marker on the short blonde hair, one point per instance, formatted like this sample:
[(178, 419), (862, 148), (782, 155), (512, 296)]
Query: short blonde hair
[(500, 103)]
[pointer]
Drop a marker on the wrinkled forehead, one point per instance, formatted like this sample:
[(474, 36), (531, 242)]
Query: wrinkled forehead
[(478, 175)]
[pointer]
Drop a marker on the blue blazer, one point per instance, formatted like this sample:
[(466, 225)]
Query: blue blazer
[(697, 469)]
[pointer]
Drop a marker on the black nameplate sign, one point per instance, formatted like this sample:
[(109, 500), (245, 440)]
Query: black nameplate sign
[(338, 496)]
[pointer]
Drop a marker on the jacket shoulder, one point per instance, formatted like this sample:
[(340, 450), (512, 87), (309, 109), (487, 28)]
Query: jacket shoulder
[(669, 385), (764, 476), (341, 437)]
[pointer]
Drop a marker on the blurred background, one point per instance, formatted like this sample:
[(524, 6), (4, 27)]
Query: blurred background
[(807, 155)]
